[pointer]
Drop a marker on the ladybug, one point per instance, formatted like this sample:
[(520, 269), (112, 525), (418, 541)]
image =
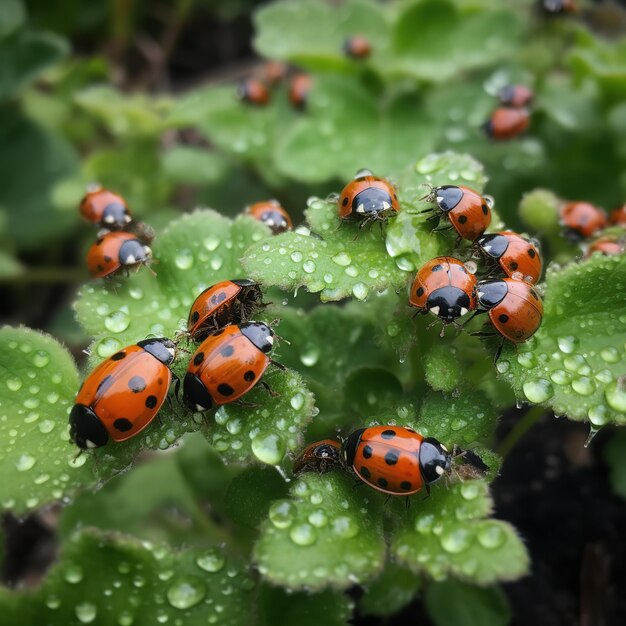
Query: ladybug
[(299, 87), (274, 72), (221, 304), (618, 216), (506, 123), (609, 246), (582, 219), (468, 211), (116, 250), (515, 308), (445, 288), (515, 95), (272, 214), (558, 7), (227, 365), (516, 255), (105, 208), (357, 47), (123, 394), (253, 91), (321, 456), (368, 198), (394, 459)]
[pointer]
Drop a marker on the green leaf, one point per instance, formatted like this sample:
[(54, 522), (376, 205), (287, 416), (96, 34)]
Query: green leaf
[(453, 602), (9, 266), (394, 589), (12, 16), (442, 368), (194, 166), (574, 364), (328, 534), (110, 579), (615, 457), (447, 535)]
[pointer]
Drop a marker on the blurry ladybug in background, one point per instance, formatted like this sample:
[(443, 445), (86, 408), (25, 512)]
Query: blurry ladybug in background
[(272, 214), (445, 288), (321, 457), (515, 95), (299, 88), (618, 216), (115, 251), (558, 7), (609, 245), (469, 212), (123, 394), (581, 219), (507, 123), (515, 255), (231, 301), (368, 199), (357, 47), (105, 208), (274, 72), (253, 91)]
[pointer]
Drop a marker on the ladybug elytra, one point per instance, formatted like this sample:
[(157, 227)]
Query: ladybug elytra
[(513, 253), (507, 123), (357, 47), (105, 208), (272, 214), (582, 219), (253, 91), (116, 250)]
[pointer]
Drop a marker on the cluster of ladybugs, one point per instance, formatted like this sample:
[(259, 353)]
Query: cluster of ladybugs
[(512, 118)]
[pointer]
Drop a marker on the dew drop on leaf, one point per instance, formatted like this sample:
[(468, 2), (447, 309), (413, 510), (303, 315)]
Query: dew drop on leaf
[(269, 448), (282, 513), (342, 259), (303, 534), (455, 541), (184, 259), (538, 390), (41, 358), (14, 384), (25, 462), (86, 612), (583, 386), (491, 536), (567, 344), (560, 377), (345, 527), (610, 354), (186, 591), (108, 346), (615, 394), (117, 322), (211, 560), (73, 574)]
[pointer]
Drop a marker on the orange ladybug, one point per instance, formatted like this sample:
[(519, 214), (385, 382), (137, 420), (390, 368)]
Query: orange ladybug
[(468, 211), (272, 214), (253, 91), (582, 219), (321, 456), (357, 47), (368, 198), (395, 460), (221, 304), (227, 365), (274, 72), (516, 255), (609, 246), (299, 87), (105, 208), (515, 308), (123, 394), (558, 7), (618, 216), (515, 95), (114, 251), (506, 123), (445, 288)]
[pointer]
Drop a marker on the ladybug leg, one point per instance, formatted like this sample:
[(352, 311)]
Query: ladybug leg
[(427, 487), (473, 315), (407, 503), (499, 352), (269, 390), (387, 499), (280, 366), (441, 229), (246, 405)]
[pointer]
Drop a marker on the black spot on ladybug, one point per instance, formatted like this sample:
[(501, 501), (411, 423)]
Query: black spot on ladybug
[(406, 485), (100, 267), (137, 384), (195, 316), (160, 381), (365, 472), (122, 424), (513, 265), (388, 434), (531, 253), (151, 402), (436, 268), (391, 458), (367, 452), (104, 383), (504, 318), (118, 356), (227, 351), (462, 219), (345, 201), (107, 259), (198, 358), (382, 482), (485, 209), (395, 197), (420, 292), (221, 296), (249, 376), (225, 389)]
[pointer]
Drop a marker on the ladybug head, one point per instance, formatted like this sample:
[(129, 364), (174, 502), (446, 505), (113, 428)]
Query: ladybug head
[(160, 348), (493, 245), (86, 429), (372, 201), (490, 292), (260, 334), (447, 197), (434, 460), (448, 303)]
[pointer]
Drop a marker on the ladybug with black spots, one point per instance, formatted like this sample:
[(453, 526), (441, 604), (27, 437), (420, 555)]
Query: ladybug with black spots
[(321, 457), (515, 95), (115, 251), (274, 72), (231, 301), (558, 7), (581, 219), (227, 365), (608, 246), (618, 216), (253, 91), (357, 47), (507, 123), (395, 460), (299, 88), (123, 394), (515, 255), (272, 214), (105, 208), (468, 211), (445, 288), (368, 199)]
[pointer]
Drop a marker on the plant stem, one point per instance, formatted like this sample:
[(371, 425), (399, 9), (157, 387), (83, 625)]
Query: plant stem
[(530, 418)]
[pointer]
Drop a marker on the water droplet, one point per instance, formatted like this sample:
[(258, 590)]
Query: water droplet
[(455, 541), (310, 357), (470, 491), (297, 401), (526, 359), (269, 448), (41, 479), (567, 344), (491, 536), (574, 362), (560, 377), (53, 602), (73, 574), (211, 560), (538, 390), (359, 291), (108, 346), (282, 513), (117, 322), (46, 426), (303, 534), (184, 259), (14, 384), (428, 164), (351, 271), (342, 259), (503, 366), (135, 293), (41, 359), (186, 591), (308, 266), (615, 394), (604, 376), (25, 462), (216, 263), (346, 527), (598, 415), (211, 243), (583, 385), (318, 518), (296, 257), (86, 612), (610, 355), (593, 431)]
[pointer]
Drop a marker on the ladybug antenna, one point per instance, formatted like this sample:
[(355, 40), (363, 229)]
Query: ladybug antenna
[(430, 196)]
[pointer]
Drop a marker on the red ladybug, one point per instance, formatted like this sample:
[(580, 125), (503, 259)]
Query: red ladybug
[(609, 246), (272, 214), (506, 123), (558, 7), (321, 457), (468, 211), (221, 304), (445, 288), (618, 216), (368, 199), (114, 251), (105, 208), (516, 255), (274, 72), (253, 91), (227, 365), (123, 394), (514, 307), (395, 460), (299, 88), (357, 47), (515, 95), (582, 219)]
